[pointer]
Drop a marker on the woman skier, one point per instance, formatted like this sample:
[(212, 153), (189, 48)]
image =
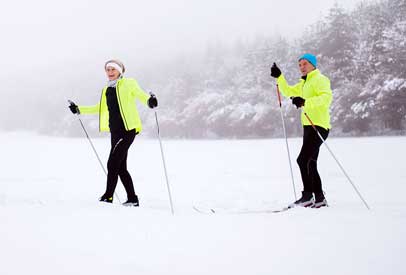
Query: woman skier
[(118, 115)]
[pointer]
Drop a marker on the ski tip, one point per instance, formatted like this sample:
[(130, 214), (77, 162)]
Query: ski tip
[(283, 209), (204, 211)]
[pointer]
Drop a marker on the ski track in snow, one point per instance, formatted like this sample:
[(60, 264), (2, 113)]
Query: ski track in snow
[(52, 223)]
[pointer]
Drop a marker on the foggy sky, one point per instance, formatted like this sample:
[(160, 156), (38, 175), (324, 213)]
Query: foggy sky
[(47, 34)]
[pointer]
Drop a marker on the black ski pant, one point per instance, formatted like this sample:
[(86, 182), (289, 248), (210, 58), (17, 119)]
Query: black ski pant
[(307, 158), (117, 163)]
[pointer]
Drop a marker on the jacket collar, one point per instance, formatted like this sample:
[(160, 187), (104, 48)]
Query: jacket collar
[(312, 74), (114, 83)]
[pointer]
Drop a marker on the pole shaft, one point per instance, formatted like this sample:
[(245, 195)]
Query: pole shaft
[(91, 144), (95, 152), (164, 164), (286, 140)]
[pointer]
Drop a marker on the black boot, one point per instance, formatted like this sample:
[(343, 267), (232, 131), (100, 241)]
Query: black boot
[(320, 200), (133, 201), (107, 199), (305, 201)]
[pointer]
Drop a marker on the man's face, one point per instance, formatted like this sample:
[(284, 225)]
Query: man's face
[(305, 67)]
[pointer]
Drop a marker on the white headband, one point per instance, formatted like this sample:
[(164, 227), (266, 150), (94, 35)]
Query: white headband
[(115, 66)]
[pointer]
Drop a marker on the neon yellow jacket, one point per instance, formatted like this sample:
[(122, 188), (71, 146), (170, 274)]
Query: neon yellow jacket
[(317, 94), (127, 91)]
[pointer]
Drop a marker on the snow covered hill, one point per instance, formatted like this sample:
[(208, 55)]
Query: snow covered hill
[(52, 223)]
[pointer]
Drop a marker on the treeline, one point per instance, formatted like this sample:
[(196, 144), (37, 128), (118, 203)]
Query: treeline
[(228, 93)]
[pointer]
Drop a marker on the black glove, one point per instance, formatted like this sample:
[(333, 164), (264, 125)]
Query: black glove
[(74, 108), (298, 101), (275, 71), (152, 101)]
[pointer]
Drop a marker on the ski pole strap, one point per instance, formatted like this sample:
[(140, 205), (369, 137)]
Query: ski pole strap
[(279, 95)]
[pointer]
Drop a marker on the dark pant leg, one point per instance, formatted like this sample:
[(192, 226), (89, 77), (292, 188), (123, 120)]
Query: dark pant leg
[(307, 158), (313, 172), (126, 179), (120, 143)]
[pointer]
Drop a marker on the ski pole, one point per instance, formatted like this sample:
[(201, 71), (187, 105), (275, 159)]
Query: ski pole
[(339, 164), (286, 140), (164, 163), (94, 149)]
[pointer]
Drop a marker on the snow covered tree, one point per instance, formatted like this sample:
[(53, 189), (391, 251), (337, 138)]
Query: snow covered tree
[(227, 92)]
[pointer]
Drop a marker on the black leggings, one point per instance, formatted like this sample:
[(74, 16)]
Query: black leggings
[(307, 158), (117, 163)]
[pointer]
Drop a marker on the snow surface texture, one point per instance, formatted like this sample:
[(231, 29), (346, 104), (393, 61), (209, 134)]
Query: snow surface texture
[(52, 223)]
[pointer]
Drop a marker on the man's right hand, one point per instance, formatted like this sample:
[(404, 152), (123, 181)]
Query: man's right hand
[(275, 71)]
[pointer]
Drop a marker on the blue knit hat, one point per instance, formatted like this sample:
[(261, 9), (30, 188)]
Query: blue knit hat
[(309, 57)]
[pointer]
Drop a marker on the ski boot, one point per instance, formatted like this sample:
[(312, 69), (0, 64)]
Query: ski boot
[(306, 200), (132, 202), (106, 199), (320, 200)]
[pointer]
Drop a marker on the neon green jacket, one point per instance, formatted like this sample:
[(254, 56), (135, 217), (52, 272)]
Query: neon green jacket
[(317, 94), (127, 91)]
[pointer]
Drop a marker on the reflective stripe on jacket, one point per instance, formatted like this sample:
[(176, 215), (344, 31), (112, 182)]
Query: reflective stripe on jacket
[(128, 91), (317, 94)]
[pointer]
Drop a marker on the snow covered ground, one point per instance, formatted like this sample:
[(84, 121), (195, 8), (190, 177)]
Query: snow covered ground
[(52, 223)]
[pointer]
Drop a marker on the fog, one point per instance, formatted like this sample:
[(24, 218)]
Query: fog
[(54, 50), (48, 33)]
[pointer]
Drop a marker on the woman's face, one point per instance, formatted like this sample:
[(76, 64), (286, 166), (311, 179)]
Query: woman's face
[(305, 67), (112, 73)]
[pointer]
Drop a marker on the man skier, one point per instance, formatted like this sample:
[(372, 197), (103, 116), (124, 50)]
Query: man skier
[(313, 95)]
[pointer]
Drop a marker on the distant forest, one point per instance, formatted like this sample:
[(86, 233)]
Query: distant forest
[(227, 92)]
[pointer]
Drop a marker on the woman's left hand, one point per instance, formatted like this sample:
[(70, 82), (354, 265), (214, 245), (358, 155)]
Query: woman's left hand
[(152, 101), (74, 108)]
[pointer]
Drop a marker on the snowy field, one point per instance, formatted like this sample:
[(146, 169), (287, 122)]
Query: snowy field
[(52, 223)]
